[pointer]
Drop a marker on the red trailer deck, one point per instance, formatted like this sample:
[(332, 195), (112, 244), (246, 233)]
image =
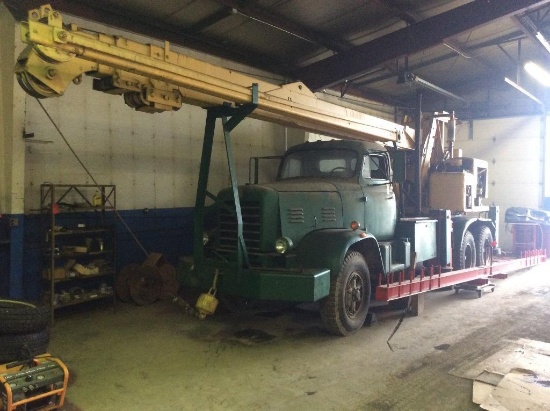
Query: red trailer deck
[(407, 284)]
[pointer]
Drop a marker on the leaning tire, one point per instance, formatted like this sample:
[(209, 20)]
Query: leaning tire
[(483, 242), (22, 346), (344, 310), (465, 256), (22, 317)]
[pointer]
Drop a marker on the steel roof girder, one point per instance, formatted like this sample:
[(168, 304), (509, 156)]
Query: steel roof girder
[(415, 38)]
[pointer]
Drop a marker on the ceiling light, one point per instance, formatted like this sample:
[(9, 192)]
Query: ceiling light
[(408, 77), (543, 41), (538, 73), (522, 90), (457, 49)]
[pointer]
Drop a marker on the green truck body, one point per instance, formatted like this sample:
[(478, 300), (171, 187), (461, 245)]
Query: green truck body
[(329, 218)]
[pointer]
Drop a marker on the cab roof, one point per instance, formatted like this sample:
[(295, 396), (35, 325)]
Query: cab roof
[(357, 145)]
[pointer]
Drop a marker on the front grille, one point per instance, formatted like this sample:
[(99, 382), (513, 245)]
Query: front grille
[(251, 226)]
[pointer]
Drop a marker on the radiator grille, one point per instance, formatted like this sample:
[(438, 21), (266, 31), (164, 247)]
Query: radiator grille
[(251, 226)]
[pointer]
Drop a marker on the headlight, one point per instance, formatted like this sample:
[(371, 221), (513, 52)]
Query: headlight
[(205, 238), (283, 244)]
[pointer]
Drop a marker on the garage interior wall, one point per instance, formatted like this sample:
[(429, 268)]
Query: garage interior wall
[(154, 162), (153, 159), (12, 111), (513, 148)]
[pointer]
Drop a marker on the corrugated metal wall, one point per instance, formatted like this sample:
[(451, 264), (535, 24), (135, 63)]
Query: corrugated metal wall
[(513, 147)]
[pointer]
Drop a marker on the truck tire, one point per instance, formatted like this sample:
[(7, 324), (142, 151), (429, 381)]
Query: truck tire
[(483, 241), (22, 346), (465, 255), (22, 317), (344, 310)]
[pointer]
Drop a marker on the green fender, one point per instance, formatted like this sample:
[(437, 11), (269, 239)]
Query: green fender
[(328, 248), (460, 225)]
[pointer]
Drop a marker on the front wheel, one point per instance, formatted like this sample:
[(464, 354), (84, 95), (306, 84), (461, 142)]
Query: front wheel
[(344, 310)]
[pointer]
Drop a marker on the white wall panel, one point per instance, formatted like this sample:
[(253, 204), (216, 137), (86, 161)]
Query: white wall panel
[(512, 147), (152, 158)]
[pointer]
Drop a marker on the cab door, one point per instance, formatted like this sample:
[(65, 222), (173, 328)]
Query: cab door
[(380, 202)]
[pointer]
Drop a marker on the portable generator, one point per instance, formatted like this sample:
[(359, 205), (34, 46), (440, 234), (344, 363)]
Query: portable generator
[(32, 385)]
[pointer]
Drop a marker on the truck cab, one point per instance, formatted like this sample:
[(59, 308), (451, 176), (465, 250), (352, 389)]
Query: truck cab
[(331, 199), (355, 179)]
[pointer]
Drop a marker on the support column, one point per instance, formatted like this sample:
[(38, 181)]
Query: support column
[(12, 153), (417, 304), (418, 153)]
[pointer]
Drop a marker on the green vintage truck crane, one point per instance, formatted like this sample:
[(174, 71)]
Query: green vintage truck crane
[(336, 221), (328, 227)]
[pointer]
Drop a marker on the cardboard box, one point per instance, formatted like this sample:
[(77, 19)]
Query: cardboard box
[(58, 273)]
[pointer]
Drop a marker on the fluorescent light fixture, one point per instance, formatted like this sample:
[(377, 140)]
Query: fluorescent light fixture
[(456, 48), (409, 77), (538, 73), (543, 41), (522, 90)]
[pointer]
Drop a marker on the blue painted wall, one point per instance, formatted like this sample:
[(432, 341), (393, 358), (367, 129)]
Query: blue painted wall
[(165, 231), (4, 256)]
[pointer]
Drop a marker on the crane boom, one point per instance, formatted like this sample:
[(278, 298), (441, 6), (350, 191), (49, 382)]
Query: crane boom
[(154, 79)]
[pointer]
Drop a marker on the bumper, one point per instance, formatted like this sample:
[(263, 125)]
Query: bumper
[(257, 283)]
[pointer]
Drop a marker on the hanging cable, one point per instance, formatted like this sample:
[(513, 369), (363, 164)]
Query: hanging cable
[(93, 179), (399, 323)]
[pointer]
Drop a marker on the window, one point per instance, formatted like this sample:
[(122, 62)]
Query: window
[(323, 163), (375, 166)]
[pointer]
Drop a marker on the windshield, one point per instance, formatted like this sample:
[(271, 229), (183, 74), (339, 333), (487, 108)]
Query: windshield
[(328, 163)]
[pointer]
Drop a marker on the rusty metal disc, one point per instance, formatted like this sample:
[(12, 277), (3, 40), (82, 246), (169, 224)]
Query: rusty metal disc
[(155, 260), (121, 282), (145, 285), (170, 284)]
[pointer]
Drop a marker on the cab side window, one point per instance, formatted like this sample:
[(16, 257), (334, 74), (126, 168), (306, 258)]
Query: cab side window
[(375, 167)]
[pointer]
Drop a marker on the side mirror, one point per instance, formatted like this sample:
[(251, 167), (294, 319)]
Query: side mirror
[(399, 166)]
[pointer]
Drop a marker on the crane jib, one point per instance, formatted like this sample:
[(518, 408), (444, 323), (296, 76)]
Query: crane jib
[(154, 79)]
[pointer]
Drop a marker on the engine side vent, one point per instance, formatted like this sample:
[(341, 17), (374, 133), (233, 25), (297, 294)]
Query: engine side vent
[(296, 215), (328, 214)]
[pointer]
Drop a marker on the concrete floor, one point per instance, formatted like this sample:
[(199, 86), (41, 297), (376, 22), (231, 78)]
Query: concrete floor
[(157, 358)]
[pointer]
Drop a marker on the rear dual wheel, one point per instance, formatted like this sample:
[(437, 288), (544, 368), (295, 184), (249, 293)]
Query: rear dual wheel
[(483, 244), (465, 255), (473, 251), (344, 310)]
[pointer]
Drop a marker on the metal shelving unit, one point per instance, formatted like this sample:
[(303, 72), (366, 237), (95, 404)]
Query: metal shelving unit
[(79, 255)]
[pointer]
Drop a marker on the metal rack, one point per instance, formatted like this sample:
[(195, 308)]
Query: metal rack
[(80, 243)]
